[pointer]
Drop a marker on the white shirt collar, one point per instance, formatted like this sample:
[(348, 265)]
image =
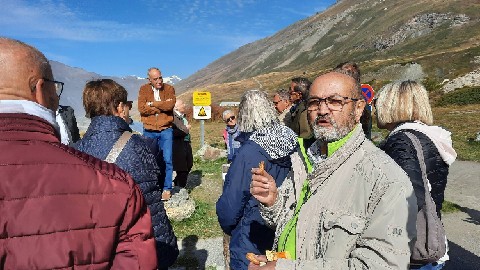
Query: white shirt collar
[(29, 107)]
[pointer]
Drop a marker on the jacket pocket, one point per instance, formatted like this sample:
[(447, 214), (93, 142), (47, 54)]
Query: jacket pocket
[(350, 224), (340, 234)]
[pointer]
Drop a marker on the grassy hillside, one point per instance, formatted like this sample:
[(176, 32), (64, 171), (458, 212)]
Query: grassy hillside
[(443, 36)]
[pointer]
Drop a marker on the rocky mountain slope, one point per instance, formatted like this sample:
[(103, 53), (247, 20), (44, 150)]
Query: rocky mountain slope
[(440, 38)]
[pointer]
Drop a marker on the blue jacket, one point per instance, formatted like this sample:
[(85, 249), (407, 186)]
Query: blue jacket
[(237, 209), (139, 162)]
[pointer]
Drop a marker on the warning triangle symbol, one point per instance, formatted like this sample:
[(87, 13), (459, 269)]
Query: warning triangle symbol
[(202, 112)]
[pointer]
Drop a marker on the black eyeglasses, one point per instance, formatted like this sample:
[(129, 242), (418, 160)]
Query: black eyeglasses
[(334, 103), (58, 86), (231, 118), (129, 104)]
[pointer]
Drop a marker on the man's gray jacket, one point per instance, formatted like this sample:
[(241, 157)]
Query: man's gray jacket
[(361, 214)]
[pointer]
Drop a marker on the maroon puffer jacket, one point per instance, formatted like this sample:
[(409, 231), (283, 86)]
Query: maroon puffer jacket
[(63, 209)]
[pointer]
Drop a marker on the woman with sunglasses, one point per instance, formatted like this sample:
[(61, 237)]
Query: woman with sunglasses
[(230, 133)]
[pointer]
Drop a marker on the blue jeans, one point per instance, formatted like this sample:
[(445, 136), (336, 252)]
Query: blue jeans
[(164, 140), (430, 266)]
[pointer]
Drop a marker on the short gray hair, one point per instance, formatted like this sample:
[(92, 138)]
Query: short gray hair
[(256, 111), (152, 68), (403, 101), (225, 113), (283, 94)]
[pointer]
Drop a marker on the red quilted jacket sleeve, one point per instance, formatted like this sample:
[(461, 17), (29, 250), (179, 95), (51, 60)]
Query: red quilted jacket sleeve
[(136, 247)]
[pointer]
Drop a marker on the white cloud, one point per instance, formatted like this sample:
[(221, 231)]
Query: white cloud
[(49, 19)]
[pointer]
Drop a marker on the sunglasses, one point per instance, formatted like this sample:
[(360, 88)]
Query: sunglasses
[(129, 104), (231, 118)]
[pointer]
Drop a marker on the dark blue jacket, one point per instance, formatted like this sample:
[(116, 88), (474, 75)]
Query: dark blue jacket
[(138, 161), (237, 209)]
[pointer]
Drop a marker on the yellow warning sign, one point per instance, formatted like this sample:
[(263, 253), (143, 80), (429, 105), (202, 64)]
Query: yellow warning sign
[(202, 112), (202, 98)]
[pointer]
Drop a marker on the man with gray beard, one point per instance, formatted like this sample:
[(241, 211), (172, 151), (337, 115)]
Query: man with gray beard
[(346, 204)]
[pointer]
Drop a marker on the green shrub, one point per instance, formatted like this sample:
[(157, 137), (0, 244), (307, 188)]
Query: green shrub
[(449, 207), (464, 96)]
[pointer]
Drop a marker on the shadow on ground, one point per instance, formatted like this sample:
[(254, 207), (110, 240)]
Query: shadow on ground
[(194, 179), (461, 259), (190, 257), (474, 216)]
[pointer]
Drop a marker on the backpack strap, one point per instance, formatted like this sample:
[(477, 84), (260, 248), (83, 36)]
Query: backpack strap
[(118, 147), (421, 160)]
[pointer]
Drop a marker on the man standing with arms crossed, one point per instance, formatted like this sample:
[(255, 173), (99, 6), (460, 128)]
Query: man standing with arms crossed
[(155, 104)]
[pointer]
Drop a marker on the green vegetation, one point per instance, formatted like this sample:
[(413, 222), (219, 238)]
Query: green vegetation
[(450, 207), (462, 121), (205, 187), (203, 223), (464, 96)]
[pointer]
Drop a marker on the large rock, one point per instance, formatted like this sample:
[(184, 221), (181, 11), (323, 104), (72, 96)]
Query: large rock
[(208, 152), (471, 79), (180, 206)]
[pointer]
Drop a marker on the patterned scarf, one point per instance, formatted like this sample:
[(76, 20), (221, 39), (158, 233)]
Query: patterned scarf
[(277, 140)]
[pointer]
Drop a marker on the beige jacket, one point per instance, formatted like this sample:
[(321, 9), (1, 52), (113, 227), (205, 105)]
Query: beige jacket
[(361, 215)]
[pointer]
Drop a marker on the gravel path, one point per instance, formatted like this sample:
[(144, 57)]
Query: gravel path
[(463, 228)]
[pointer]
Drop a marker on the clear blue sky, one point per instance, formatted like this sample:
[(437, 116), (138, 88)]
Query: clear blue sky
[(118, 38)]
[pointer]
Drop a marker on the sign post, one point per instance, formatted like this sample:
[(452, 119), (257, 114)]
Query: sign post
[(366, 119), (202, 111)]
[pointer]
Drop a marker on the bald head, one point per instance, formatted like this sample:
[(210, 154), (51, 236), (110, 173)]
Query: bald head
[(22, 69), (179, 106), (334, 106), (336, 83)]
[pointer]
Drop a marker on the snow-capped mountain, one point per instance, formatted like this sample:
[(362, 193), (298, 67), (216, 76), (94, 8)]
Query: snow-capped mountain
[(172, 79)]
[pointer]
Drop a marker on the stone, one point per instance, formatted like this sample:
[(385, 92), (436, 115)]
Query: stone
[(478, 137), (180, 206), (471, 79), (208, 152)]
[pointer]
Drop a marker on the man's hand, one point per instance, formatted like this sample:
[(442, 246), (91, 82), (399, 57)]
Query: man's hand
[(262, 266), (263, 187)]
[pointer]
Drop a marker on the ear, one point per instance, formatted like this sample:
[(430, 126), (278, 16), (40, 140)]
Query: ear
[(359, 106), (38, 95), (120, 110)]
